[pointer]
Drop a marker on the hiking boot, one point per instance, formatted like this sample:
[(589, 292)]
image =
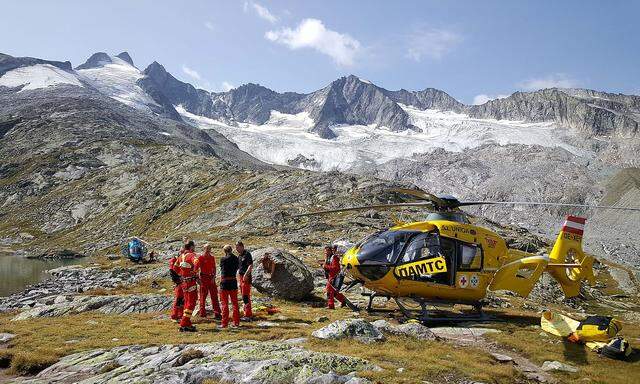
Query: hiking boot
[(190, 328)]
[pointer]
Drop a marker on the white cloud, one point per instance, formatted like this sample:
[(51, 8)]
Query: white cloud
[(556, 80), (261, 11), (483, 98), (226, 86), (191, 72), (431, 42), (209, 25), (311, 33)]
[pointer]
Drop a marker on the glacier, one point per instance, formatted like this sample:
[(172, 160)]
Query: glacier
[(284, 137)]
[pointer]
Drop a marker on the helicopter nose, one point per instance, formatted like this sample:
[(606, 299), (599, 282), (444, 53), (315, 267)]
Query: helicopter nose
[(350, 259)]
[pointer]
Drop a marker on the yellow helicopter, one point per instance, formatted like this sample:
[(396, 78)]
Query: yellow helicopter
[(446, 259)]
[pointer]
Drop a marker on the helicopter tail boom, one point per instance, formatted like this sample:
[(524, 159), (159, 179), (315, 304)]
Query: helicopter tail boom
[(568, 263)]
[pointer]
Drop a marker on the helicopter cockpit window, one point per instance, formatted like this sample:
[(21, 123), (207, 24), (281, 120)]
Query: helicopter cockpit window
[(470, 257), (423, 246), (383, 247), (427, 246)]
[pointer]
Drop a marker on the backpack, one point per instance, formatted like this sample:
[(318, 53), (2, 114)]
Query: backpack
[(618, 349)]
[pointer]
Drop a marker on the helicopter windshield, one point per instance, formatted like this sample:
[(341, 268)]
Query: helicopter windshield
[(383, 247)]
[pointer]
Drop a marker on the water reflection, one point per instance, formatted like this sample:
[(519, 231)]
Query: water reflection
[(18, 272)]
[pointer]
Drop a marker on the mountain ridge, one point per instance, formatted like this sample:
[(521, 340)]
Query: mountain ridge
[(349, 100)]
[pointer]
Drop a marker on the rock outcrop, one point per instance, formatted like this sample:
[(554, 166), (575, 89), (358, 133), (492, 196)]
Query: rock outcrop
[(290, 279), (61, 305), (247, 362)]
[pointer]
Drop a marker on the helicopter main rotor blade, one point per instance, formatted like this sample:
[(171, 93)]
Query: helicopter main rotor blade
[(468, 203), (421, 195), (366, 208)]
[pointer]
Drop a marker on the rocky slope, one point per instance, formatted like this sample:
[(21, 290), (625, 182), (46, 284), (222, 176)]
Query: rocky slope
[(81, 171)]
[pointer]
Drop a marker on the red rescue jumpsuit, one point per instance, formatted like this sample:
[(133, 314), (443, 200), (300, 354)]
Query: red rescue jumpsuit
[(206, 263), (188, 272), (178, 301), (332, 266)]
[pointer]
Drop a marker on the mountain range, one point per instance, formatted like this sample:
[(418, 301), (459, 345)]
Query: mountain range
[(61, 125), (353, 101)]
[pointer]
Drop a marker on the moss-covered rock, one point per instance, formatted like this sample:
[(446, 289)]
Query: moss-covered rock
[(234, 362)]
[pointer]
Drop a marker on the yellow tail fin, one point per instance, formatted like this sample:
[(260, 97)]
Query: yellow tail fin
[(567, 262)]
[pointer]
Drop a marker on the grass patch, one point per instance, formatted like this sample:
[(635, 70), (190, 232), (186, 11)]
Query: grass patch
[(30, 363), (421, 360)]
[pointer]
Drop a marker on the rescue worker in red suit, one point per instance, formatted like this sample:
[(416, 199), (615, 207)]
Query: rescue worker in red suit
[(187, 269), (229, 286), (332, 269), (244, 278), (206, 264), (178, 301)]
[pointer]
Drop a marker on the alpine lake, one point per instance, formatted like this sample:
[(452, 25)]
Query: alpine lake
[(17, 272)]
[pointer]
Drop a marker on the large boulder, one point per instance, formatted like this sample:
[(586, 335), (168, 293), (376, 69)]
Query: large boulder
[(358, 329), (415, 330), (288, 279)]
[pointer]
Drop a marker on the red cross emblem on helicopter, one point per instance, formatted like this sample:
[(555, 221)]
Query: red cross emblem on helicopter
[(463, 281)]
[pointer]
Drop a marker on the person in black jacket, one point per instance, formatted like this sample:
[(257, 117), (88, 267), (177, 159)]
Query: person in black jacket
[(229, 265), (244, 278)]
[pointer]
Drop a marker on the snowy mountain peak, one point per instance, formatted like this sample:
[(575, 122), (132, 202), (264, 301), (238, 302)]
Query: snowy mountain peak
[(100, 59)]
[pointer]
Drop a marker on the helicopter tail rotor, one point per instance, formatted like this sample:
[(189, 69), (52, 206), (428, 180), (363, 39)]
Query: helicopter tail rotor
[(568, 263)]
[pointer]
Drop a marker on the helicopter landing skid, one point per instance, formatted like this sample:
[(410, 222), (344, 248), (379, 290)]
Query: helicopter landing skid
[(372, 296), (425, 316)]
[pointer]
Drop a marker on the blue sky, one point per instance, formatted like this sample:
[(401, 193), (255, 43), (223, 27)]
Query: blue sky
[(467, 48)]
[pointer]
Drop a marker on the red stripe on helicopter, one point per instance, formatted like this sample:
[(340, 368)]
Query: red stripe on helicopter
[(576, 219), (575, 231)]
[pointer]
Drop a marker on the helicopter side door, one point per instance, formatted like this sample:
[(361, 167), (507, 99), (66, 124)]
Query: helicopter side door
[(424, 261)]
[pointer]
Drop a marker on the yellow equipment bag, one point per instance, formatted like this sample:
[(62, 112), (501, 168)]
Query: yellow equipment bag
[(596, 328)]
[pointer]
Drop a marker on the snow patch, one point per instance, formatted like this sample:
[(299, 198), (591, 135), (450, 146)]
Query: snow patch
[(118, 80), (285, 137), (299, 121), (38, 76)]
